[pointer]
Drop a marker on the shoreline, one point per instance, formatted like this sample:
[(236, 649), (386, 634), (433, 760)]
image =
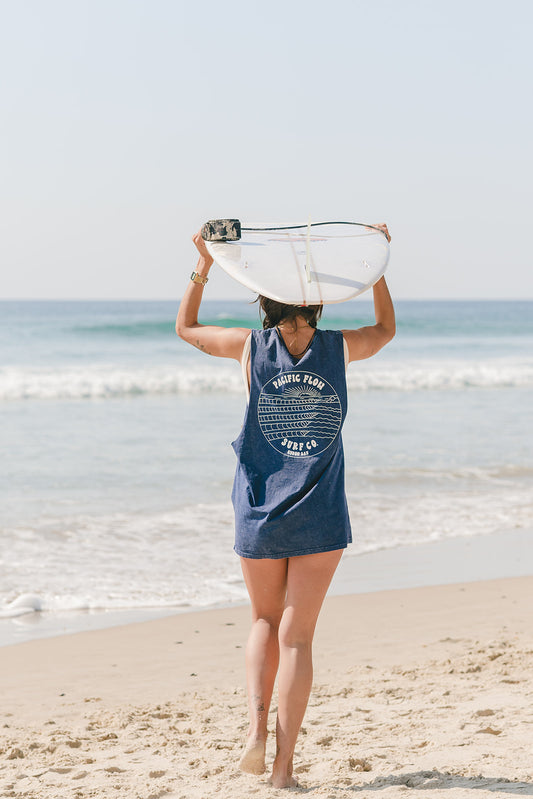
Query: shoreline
[(444, 562), (416, 687)]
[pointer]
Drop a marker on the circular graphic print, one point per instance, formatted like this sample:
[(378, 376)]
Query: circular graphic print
[(300, 413)]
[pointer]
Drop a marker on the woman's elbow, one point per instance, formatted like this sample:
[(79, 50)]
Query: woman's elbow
[(387, 333), (187, 332), (182, 330)]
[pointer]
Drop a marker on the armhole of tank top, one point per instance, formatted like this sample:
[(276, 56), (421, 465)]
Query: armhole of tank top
[(244, 365), (346, 353)]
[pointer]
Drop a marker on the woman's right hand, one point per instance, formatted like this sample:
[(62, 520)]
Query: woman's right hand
[(383, 227)]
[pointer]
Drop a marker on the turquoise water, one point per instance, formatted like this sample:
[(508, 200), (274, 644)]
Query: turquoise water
[(116, 468)]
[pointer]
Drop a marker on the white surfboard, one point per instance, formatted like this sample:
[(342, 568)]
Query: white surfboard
[(318, 263)]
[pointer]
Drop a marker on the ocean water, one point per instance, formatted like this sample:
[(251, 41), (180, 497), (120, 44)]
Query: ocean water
[(116, 466)]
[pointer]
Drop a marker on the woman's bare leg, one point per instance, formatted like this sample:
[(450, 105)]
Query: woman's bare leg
[(308, 579), (266, 581)]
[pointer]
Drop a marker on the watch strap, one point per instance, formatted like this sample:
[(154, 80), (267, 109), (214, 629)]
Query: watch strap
[(196, 278)]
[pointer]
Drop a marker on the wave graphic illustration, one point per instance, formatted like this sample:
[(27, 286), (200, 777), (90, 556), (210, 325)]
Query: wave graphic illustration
[(299, 417)]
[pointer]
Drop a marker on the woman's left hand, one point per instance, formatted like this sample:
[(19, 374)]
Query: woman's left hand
[(199, 243)]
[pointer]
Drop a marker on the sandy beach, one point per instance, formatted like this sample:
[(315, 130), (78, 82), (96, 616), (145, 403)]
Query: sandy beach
[(426, 688)]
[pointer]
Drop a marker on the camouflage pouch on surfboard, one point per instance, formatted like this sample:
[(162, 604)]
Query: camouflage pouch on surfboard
[(221, 230)]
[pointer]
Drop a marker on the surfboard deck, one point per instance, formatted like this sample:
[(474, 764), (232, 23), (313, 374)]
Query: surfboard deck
[(318, 263)]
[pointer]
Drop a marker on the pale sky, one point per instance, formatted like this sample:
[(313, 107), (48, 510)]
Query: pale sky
[(125, 124)]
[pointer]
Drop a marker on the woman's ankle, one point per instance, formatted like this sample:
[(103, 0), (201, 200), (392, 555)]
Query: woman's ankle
[(281, 776), (282, 765), (257, 732)]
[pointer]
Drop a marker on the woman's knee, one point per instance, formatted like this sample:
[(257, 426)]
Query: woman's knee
[(295, 633), (270, 620)]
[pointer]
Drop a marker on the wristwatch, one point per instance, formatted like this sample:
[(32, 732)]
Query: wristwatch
[(196, 278)]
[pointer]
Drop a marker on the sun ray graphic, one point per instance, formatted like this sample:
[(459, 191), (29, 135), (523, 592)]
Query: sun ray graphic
[(302, 393)]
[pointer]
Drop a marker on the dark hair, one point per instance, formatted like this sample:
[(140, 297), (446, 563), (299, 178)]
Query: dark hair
[(276, 312)]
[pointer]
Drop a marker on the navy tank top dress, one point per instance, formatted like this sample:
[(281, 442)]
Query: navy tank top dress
[(288, 493)]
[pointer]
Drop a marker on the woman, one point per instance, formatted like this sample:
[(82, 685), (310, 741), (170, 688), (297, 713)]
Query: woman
[(290, 506)]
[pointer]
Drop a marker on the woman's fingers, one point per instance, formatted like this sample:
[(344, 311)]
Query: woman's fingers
[(382, 226), (199, 243)]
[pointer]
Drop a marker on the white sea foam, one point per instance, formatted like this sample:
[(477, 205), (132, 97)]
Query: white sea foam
[(121, 560), (184, 557), (103, 382), (23, 604), (385, 521), (441, 376)]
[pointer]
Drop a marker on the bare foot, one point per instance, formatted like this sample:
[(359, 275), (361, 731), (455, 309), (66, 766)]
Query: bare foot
[(253, 758), (283, 782)]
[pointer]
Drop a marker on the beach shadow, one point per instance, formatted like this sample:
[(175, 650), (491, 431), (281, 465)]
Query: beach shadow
[(432, 780)]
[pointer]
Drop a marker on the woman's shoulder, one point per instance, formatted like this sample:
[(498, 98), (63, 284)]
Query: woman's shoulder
[(330, 335), (259, 333), (330, 332)]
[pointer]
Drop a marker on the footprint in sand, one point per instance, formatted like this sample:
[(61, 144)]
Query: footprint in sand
[(490, 731), (359, 764), (74, 744)]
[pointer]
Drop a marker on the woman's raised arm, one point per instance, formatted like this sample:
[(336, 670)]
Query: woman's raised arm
[(224, 342), (366, 341)]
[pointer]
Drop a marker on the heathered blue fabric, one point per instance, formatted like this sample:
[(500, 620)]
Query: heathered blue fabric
[(288, 494)]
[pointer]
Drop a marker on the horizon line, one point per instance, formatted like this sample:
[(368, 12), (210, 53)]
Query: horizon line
[(242, 299)]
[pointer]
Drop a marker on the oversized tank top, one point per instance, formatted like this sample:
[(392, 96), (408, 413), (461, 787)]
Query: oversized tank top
[(288, 493)]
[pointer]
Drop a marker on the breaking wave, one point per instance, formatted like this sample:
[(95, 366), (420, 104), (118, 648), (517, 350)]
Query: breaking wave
[(100, 382)]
